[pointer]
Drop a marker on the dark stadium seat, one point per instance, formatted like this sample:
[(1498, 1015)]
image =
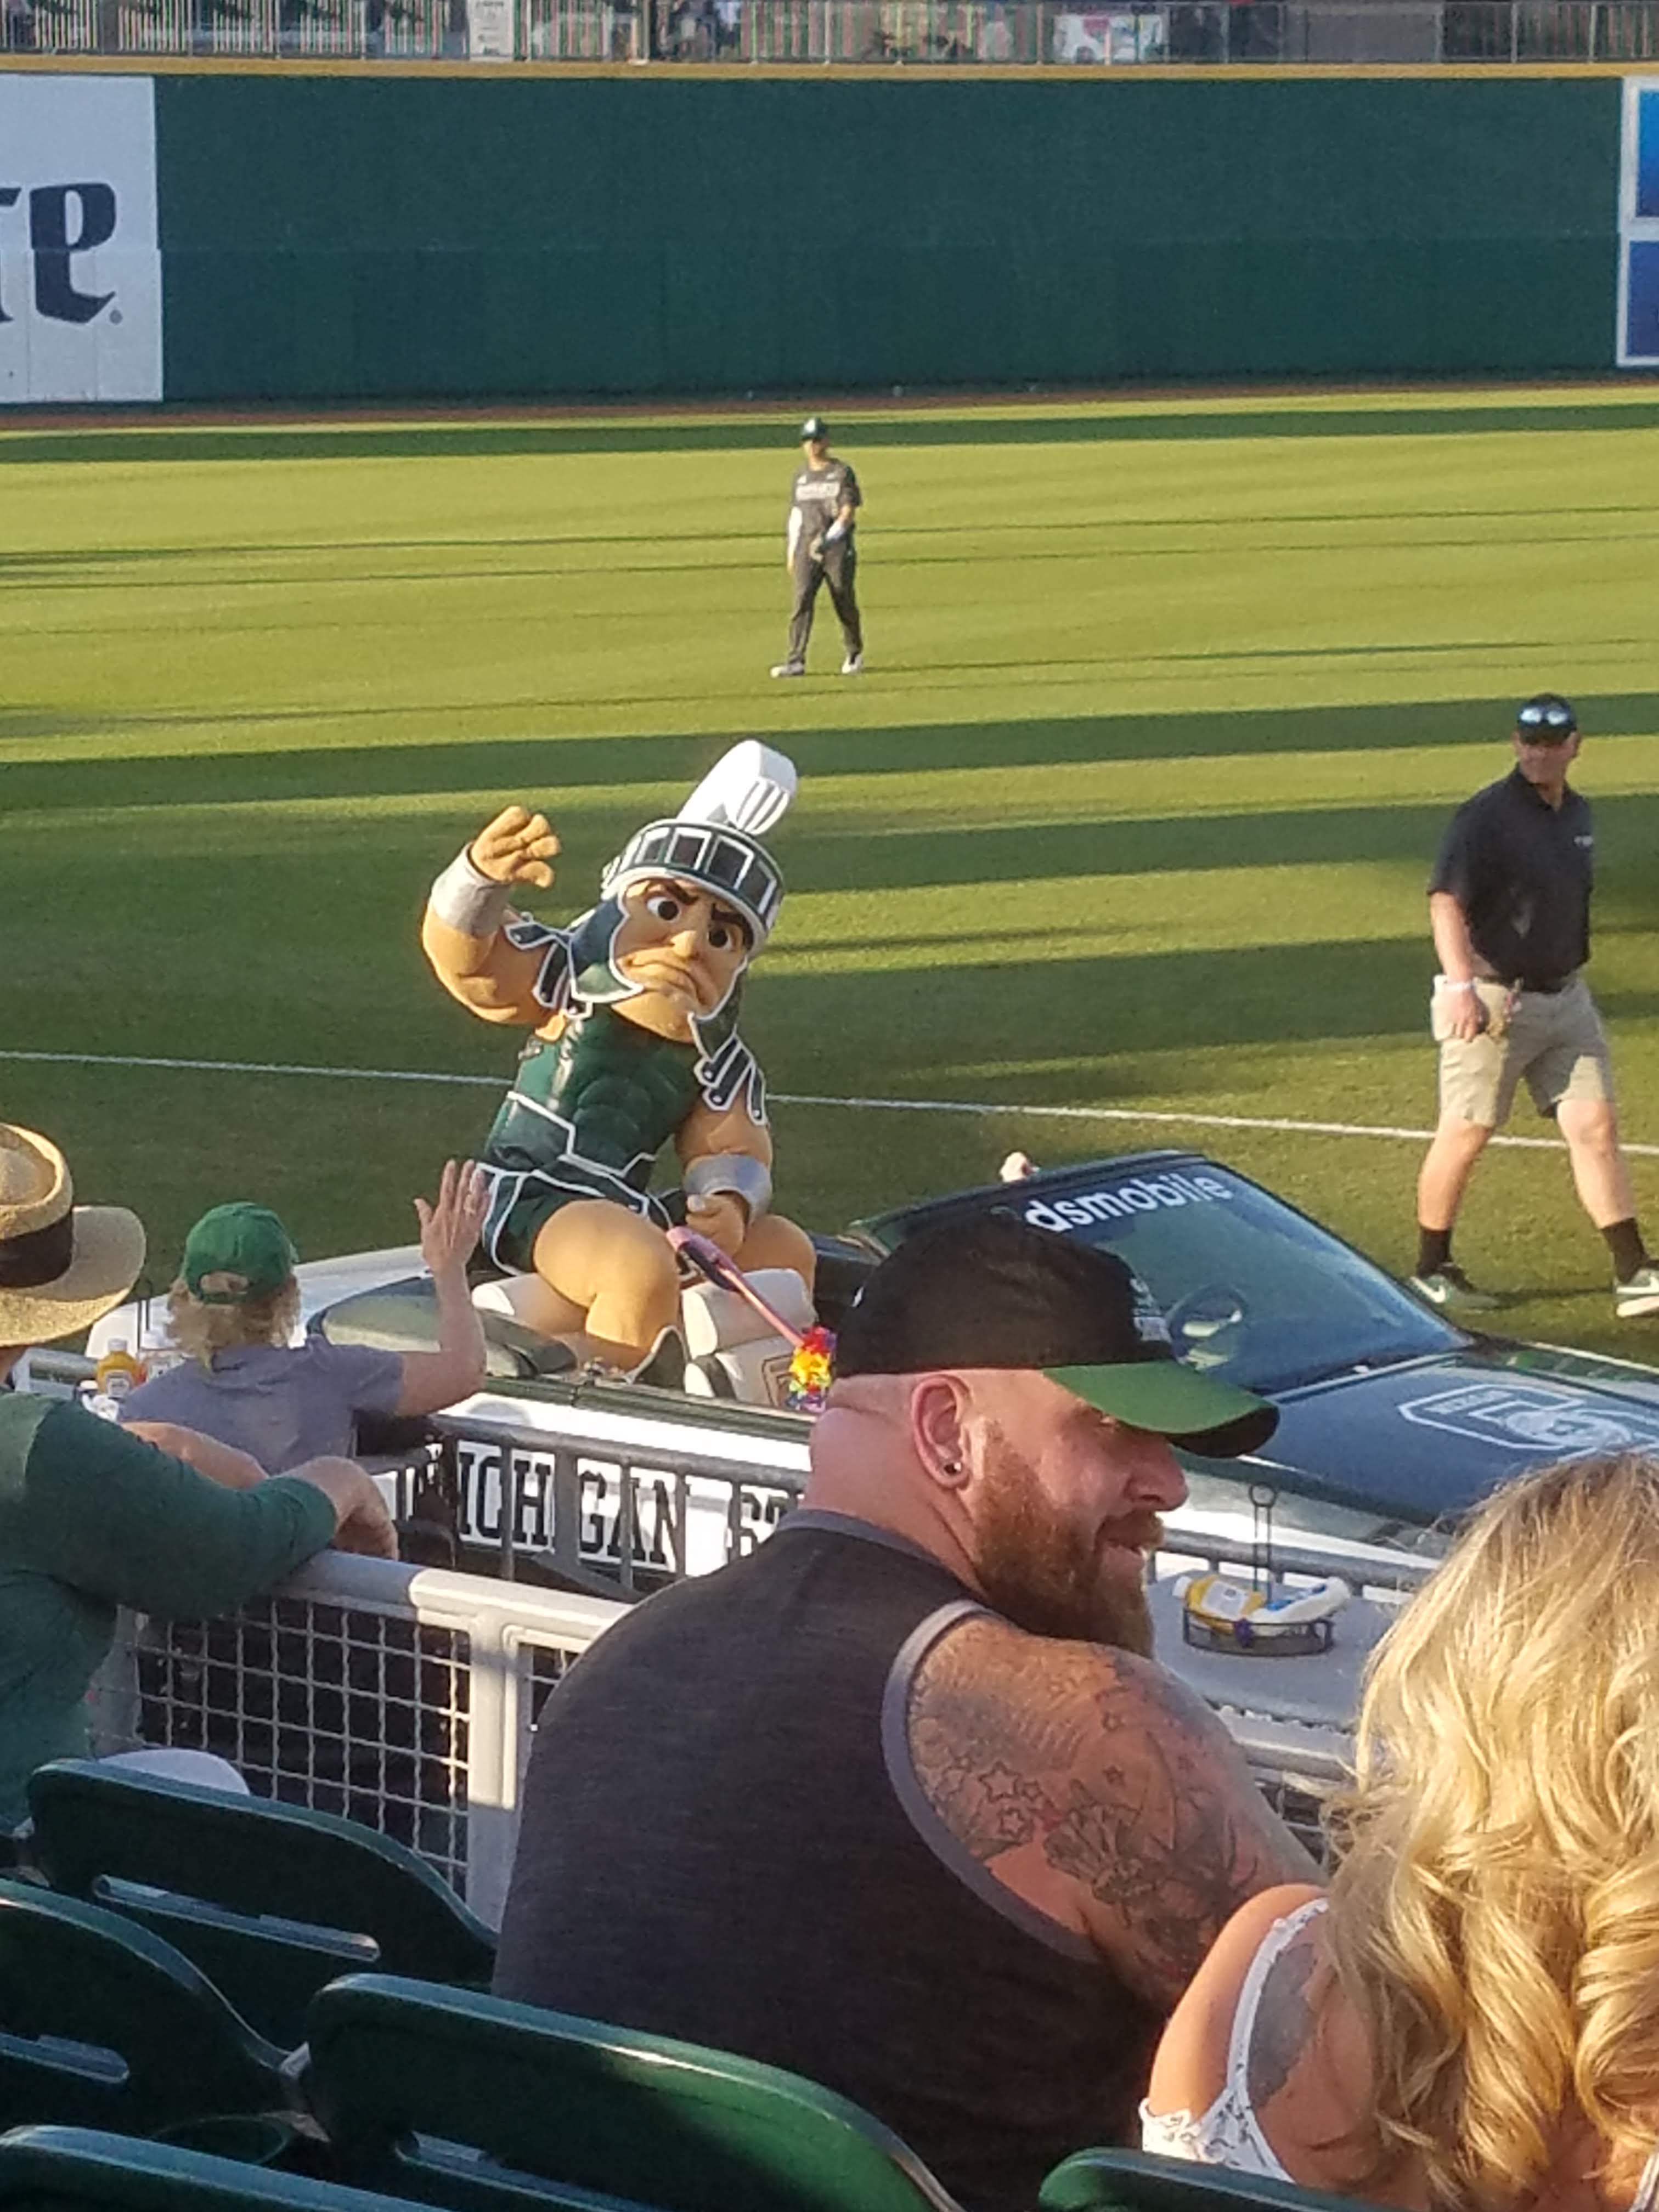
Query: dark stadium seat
[(414, 2083), (82, 2170), (103, 2025), (1131, 2181), (270, 1901)]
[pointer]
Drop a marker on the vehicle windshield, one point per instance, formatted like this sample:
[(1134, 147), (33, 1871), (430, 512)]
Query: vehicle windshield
[(1253, 1290)]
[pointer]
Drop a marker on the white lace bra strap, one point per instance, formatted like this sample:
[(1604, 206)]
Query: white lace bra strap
[(1282, 1932), (1647, 2189)]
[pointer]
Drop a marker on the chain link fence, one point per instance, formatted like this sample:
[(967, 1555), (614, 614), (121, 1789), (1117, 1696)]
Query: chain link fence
[(920, 33)]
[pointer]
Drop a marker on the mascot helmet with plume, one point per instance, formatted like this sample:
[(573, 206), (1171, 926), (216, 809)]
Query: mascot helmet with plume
[(714, 842)]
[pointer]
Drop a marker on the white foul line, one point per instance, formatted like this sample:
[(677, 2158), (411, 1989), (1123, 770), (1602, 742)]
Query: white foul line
[(245, 1067), (979, 1109), (1189, 1121)]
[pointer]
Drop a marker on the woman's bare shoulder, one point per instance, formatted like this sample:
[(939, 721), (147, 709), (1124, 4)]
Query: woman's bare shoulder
[(1255, 1919), (1234, 1949), (1191, 2065)]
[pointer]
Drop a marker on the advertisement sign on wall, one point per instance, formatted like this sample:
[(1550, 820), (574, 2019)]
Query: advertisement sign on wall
[(80, 264), (492, 31), (1639, 226)]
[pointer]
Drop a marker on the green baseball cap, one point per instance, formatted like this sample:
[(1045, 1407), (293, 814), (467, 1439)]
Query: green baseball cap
[(236, 1253), (988, 1290)]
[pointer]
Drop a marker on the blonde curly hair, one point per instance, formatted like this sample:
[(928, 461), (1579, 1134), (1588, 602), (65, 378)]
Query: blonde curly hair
[(200, 1330), (1494, 1916)]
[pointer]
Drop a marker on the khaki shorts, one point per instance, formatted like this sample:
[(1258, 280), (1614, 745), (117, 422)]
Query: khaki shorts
[(1554, 1039)]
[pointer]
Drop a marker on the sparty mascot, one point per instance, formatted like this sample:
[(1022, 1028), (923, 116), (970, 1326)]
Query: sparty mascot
[(634, 1010)]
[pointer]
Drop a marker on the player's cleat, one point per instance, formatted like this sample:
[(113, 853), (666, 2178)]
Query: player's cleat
[(1450, 1289), (790, 668), (853, 664), (1639, 1295)]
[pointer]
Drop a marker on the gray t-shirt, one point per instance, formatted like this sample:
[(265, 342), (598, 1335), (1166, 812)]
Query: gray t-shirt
[(818, 496), (280, 1406)]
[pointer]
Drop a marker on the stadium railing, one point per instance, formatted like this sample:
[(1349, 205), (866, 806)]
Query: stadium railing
[(407, 1697), (926, 34), (402, 1696)]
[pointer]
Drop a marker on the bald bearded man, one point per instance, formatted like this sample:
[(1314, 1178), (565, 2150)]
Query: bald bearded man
[(900, 1800)]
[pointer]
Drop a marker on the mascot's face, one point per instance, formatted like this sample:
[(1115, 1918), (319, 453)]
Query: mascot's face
[(680, 942)]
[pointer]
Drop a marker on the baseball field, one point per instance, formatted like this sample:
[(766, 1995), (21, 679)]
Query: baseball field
[(1167, 702)]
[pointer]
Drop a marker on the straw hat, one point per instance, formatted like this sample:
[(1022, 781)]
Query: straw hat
[(61, 1265)]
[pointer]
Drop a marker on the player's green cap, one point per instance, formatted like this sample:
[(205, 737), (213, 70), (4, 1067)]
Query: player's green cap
[(236, 1253), (813, 429)]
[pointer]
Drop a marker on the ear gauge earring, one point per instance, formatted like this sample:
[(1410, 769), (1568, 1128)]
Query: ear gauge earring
[(950, 1466)]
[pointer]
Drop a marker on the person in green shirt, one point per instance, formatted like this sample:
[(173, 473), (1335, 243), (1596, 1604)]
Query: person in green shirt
[(91, 1518)]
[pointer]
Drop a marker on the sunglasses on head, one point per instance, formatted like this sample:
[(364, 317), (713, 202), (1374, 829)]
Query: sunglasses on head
[(1547, 724)]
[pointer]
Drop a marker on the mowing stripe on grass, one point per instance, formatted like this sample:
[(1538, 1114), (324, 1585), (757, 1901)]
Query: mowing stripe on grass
[(978, 1108)]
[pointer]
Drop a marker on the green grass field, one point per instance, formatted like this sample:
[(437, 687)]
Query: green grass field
[(1168, 702)]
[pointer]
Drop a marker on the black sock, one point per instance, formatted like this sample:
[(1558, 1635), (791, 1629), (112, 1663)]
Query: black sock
[(1434, 1249), (1629, 1254)]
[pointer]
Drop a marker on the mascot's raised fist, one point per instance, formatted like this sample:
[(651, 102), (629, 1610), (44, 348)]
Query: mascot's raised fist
[(516, 847)]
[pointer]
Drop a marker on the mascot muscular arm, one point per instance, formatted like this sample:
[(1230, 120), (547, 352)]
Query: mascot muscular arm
[(633, 1009), (463, 933)]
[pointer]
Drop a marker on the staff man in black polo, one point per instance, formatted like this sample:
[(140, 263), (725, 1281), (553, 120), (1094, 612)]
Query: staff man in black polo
[(1509, 904), (820, 548)]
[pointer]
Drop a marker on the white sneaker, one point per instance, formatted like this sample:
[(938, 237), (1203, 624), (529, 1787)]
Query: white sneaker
[(853, 665), (790, 668), (1640, 1295)]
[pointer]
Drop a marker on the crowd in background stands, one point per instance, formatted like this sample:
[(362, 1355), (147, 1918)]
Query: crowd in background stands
[(912, 1757), (997, 31), (701, 30)]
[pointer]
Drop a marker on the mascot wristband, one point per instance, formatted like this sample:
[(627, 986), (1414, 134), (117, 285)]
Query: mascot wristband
[(469, 901), (731, 1175)]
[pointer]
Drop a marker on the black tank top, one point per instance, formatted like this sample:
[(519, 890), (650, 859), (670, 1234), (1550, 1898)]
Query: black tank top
[(722, 1840)]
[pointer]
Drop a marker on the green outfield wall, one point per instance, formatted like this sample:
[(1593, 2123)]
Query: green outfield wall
[(348, 238)]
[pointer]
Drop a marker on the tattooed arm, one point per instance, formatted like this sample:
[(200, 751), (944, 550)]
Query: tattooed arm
[(1164, 1827), (1099, 1789)]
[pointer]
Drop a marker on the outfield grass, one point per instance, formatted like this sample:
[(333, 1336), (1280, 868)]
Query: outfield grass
[(1168, 703)]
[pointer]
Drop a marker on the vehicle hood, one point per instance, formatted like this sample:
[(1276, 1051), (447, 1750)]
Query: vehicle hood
[(1433, 1437)]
